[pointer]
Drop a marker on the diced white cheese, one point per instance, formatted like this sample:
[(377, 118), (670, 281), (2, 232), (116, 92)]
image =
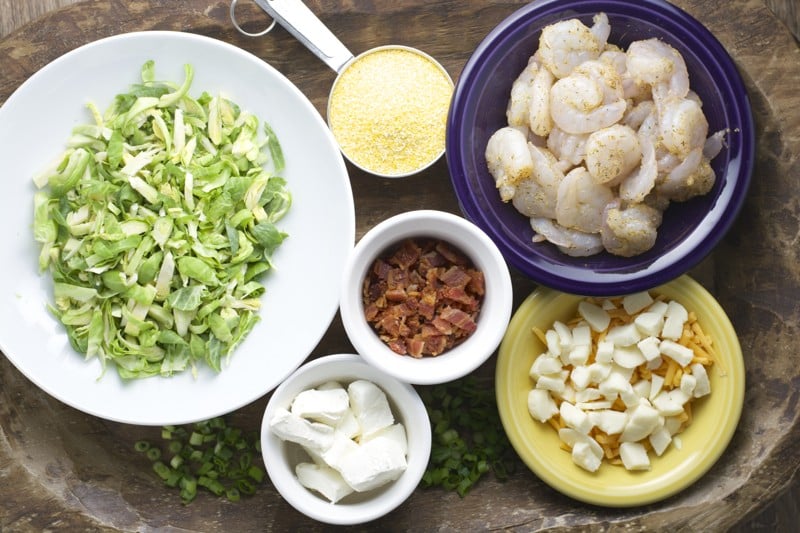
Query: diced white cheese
[(568, 394), (656, 382), (660, 439), (609, 421), (677, 442), (599, 371), (679, 396), (324, 480), (376, 462), (564, 334), (659, 308), (677, 352), (587, 395), (675, 317), (370, 406), (666, 404), (545, 364), (688, 383), (649, 346), (580, 377), (582, 456), (649, 323), (654, 364), (575, 418), (327, 406), (313, 435), (594, 406), (627, 373), (553, 342), (605, 351), (642, 420), (541, 405), (594, 315), (579, 354), (672, 424), (633, 303), (581, 336), (395, 432), (625, 335), (628, 356), (615, 383), (634, 456), (629, 398), (675, 309), (642, 388), (702, 385), (552, 382), (570, 437)]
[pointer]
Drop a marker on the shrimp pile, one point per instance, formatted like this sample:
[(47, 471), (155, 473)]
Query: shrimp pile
[(601, 140)]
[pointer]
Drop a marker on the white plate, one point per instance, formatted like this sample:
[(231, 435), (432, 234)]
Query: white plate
[(302, 292)]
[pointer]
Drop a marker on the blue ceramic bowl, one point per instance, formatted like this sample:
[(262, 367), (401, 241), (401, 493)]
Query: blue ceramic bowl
[(689, 231)]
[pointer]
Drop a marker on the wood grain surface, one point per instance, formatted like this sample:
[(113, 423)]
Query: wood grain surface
[(63, 470)]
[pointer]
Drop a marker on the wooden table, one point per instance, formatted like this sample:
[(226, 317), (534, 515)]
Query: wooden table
[(62, 469)]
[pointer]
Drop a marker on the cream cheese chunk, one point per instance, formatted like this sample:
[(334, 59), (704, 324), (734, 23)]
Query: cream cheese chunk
[(324, 480), (370, 406), (349, 433)]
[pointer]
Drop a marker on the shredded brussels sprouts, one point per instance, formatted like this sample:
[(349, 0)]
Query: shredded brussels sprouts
[(157, 224)]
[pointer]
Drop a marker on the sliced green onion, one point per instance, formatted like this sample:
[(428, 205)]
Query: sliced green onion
[(211, 455), (468, 437)]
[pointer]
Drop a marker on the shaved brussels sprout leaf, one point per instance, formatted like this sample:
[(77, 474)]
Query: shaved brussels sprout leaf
[(156, 224)]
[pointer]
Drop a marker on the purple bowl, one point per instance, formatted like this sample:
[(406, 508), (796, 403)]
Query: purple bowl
[(689, 230)]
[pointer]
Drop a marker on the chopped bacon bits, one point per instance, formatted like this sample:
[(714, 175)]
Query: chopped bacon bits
[(422, 297)]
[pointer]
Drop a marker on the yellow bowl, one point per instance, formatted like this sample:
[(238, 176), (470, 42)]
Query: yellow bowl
[(714, 417)]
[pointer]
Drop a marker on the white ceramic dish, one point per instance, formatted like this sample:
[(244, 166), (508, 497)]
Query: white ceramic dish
[(493, 317), (280, 458), (35, 123)]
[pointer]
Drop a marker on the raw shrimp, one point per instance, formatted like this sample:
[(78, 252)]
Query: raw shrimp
[(581, 201), (508, 159), (536, 196), (539, 109), (606, 77), (612, 153), (714, 144), (632, 90), (682, 124), (629, 231), (566, 44), (577, 106), (692, 177), (568, 241), (605, 139), (659, 65), (517, 112), (567, 147), (638, 184), (588, 99), (635, 115)]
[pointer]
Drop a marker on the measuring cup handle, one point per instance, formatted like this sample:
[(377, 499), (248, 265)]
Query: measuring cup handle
[(301, 22)]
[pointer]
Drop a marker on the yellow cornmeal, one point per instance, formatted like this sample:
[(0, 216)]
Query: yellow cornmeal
[(388, 111)]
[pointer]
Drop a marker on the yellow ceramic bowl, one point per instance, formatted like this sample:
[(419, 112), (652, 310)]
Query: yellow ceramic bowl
[(714, 417)]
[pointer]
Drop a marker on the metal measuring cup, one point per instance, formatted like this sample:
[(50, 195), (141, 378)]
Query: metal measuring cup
[(304, 25)]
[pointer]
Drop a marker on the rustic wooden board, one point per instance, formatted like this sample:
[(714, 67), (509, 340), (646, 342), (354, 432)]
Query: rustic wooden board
[(60, 468)]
